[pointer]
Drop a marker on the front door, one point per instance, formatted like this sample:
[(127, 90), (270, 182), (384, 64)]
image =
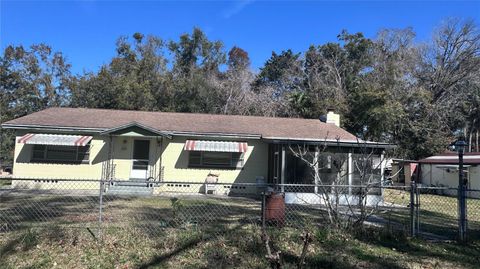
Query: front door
[(140, 159)]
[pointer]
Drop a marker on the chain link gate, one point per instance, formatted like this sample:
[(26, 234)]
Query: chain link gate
[(435, 213)]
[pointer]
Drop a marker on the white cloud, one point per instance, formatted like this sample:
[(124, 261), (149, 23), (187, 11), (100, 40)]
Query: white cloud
[(237, 7)]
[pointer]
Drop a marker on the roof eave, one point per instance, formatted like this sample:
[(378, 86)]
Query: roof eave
[(136, 124), (106, 131), (449, 163), (219, 135), (50, 128), (333, 142)]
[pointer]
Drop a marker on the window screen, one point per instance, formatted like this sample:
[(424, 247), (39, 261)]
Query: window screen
[(60, 154), (211, 159)]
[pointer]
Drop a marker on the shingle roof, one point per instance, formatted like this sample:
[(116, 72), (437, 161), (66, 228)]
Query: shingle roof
[(267, 127)]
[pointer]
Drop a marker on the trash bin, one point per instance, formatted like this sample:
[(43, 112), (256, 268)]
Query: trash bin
[(275, 208)]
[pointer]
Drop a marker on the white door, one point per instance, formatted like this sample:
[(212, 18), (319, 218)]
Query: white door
[(140, 159)]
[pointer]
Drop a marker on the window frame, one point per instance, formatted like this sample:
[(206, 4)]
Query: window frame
[(45, 149), (236, 160)]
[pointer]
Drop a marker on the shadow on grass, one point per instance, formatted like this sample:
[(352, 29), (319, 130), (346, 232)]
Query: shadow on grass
[(337, 262), (186, 246), (466, 255), (25, 241), (149, 215), (159, 260), (21, 210), (9, 248), (439, 225)]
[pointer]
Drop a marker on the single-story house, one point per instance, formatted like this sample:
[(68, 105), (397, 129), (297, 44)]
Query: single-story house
[(156, 147), (442, 170)]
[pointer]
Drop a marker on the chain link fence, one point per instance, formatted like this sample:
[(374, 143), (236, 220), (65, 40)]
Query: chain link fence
[(152, 210)]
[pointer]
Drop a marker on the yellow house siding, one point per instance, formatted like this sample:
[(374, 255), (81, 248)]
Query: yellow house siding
[(164, 152), (175, 163), (46, 173), (22, 168), (123, 153)]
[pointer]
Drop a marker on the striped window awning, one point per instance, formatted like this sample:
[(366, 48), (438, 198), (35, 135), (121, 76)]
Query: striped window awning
[(219, 146), (55, 139)]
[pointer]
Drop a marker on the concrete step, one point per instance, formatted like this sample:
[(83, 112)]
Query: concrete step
[(129, 189), (131, 183), (137, 179)]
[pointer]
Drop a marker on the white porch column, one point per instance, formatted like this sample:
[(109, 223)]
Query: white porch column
[(282, 172), (382, 167), (382, 171), (350, 172)]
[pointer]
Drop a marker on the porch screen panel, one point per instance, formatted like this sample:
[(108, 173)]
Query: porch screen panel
[(299, 172), (367, 171)]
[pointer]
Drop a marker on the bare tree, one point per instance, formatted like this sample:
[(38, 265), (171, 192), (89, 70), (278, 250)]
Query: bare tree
[(346, 203), (236, 91), (451, 58)]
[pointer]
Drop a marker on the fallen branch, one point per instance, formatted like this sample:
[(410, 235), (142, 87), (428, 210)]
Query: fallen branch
[(307, 239), (273, 258)]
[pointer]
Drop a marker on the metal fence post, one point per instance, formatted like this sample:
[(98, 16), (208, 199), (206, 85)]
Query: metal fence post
[(412, 208), (462, 227), (263, 210), (460, 145), (100, 211), (417, 208), (462, 207)]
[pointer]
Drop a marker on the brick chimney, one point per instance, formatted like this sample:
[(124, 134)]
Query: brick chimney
[(333, 117)]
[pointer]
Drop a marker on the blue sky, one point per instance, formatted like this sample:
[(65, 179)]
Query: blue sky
[(85, 31)]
